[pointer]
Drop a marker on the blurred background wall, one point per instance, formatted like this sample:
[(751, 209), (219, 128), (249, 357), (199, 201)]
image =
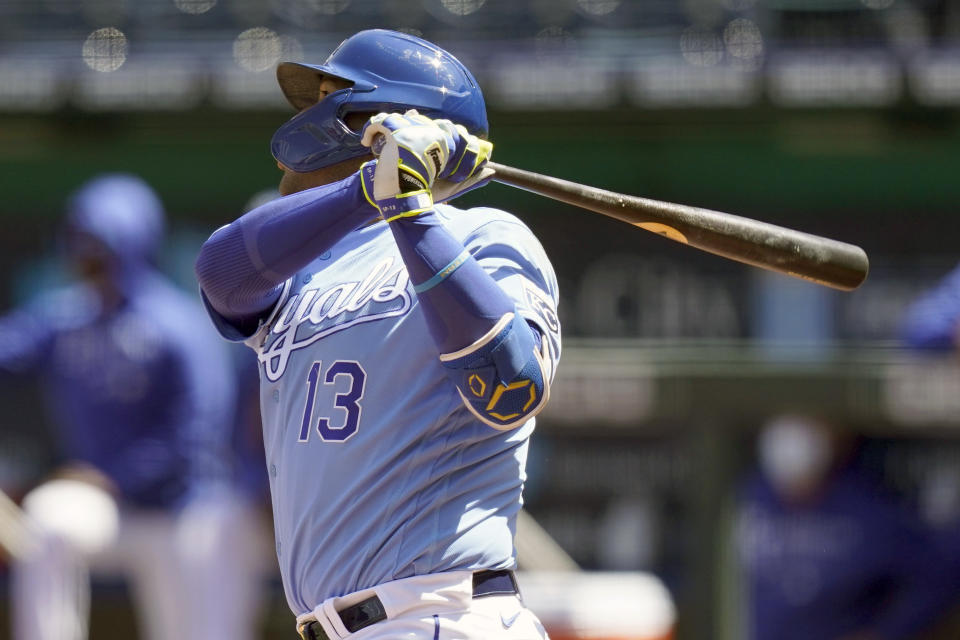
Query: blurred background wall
[(837, 117)]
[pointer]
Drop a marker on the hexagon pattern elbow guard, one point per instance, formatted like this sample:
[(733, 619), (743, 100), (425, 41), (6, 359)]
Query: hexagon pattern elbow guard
[(501, 377)]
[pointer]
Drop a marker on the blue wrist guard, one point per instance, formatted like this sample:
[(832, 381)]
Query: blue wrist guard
[(501, 377)]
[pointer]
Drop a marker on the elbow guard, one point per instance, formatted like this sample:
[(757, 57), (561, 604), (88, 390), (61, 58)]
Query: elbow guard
[(501, 377)]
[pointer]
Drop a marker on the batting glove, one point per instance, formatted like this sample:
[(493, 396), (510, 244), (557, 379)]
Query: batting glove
[(424, 147), (411, 197), (431, 156), (469, 153), (466, 169)]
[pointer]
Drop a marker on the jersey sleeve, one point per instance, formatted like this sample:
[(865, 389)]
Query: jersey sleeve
[(512, 255), (251, 336), (242, 267)]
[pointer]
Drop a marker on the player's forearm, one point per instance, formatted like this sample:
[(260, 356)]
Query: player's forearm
[(243, 265), (461, 306), (492, 354)]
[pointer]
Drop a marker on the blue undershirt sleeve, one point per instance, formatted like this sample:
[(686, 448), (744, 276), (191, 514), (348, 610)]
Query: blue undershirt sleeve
[(460, 301), (242, 266)]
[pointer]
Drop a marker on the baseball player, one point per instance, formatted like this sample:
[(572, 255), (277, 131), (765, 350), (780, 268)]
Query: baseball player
[(141, 394), (405, 346), (823, 551)]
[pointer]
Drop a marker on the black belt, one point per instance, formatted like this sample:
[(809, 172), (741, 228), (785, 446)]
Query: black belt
[(371, 611)]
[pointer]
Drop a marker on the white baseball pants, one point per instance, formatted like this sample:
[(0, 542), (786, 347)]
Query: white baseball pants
[(439, 606)]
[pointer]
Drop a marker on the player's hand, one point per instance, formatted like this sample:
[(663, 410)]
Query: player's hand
[(411, 151), (432, 157), (407, 198), (466, 169), (469, 154), (424, 147)]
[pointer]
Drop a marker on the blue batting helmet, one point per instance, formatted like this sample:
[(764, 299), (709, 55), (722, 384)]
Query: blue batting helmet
[(389, 71), (122, 212)]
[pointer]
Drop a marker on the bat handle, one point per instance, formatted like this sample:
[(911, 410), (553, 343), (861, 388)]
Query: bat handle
[(379, 142), (386, 180)]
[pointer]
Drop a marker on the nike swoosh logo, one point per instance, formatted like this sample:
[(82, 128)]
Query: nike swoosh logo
[(509, 620)]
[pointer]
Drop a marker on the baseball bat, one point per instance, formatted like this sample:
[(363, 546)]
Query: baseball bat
[(802, 255)]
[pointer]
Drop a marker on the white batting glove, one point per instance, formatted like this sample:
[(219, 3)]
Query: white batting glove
[(423, 147), (429, 156)]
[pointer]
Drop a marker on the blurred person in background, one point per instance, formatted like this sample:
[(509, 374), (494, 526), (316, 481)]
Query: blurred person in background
[(823, 552), (141, 392), (931, 325), (932, 321)]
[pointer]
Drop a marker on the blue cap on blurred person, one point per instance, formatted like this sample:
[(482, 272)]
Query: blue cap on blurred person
[(119, 210)]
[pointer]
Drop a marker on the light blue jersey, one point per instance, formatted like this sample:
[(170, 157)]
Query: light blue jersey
[(351, 384)]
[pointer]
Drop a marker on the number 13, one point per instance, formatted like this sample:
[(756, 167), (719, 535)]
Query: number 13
[(349, 401)]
